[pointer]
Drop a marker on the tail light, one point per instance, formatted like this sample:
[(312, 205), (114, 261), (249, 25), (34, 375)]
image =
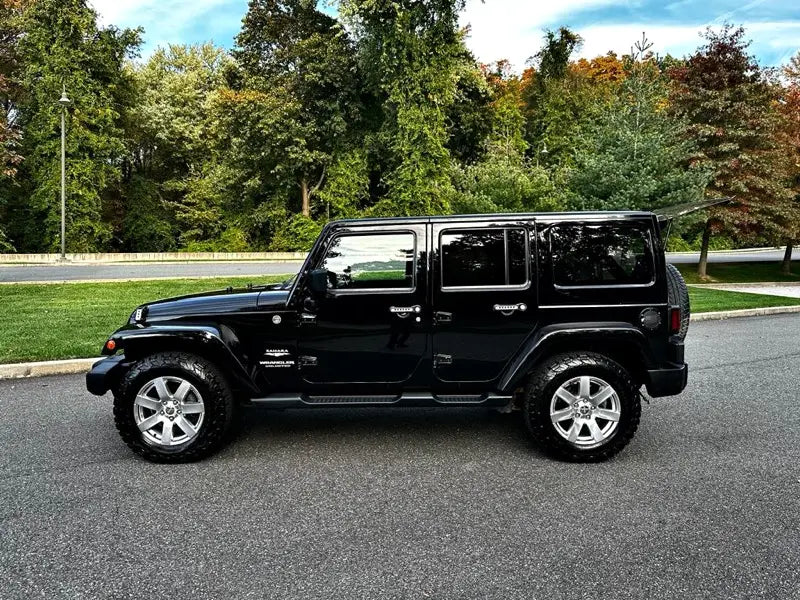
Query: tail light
[(674, 320)]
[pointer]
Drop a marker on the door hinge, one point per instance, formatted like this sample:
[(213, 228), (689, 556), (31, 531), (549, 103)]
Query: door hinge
[(442, 359), (308, 361)]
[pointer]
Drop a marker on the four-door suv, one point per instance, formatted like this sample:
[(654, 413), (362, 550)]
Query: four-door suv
[(562, 315)]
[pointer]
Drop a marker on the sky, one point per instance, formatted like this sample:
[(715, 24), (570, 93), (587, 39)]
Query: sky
[(511, 29)]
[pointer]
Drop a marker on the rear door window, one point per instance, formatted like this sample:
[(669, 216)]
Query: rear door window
[(480, 258), (601, 255)]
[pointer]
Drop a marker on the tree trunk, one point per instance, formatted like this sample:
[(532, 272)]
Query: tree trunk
[(306, 198), (701, 266), (786, 266)]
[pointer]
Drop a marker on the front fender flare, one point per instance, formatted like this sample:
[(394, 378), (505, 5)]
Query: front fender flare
[(206, 340), (538, 346)]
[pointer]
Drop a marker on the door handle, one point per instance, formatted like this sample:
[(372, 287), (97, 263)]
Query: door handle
[(307, 319), (443, 317), (404, 311), (510, 309)]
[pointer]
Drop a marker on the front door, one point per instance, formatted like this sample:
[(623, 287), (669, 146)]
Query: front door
[(369, 327), (483, 300)]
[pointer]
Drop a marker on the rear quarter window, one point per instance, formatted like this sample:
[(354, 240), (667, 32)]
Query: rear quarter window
[(586, 255)]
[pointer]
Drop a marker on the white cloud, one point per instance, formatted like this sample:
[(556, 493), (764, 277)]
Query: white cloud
[(513, 29)]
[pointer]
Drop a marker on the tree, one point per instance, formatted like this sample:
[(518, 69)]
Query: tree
[(62, 45), (728, 103), (292, 45), (10, 158), (505, 180), (170, 147), (410, 52), (635, 155), (559, 100), (789, 140)]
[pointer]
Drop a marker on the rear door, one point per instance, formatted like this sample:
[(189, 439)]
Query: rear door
[(369, 327), (484, 301)]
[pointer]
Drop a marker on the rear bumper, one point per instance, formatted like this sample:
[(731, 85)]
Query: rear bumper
[(104, 374), (667, 381)]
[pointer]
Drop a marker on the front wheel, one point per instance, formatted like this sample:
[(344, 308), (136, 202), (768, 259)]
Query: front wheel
[(581, 407), (173, 407)]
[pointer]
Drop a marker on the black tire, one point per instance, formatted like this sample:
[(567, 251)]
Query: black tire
[(678, 295), (549, 377), (209, 382)]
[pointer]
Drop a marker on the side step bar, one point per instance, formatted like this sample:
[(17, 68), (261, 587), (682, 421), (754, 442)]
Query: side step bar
[(406, 399)]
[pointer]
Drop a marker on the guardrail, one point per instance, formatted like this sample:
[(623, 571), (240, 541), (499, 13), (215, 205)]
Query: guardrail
[(116, 257)]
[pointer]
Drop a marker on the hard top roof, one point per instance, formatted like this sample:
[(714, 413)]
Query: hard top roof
[(548, 216)]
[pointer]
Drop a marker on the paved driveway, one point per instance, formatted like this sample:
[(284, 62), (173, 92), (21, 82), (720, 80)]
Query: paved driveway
[(705, 503)]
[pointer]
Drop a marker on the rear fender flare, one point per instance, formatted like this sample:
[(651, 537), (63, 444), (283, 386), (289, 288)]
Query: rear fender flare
[(540, 345)]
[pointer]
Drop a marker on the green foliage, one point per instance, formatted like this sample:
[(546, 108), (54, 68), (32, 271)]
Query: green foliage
[(171, 148), (146, 224), (635, 155), (379, 111), (295, 234), (559, 102), (346, 189), (411, 52), (62, 45), (293, 47)]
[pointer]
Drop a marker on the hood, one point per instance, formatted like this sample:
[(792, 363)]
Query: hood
[(215, 303)]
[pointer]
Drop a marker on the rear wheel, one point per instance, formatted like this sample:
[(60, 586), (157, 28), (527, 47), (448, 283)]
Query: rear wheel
[(581, 407), (173, 407)]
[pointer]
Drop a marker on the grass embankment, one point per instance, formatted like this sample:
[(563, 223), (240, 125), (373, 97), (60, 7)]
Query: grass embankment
[(73, 320), (744, 272), (708, 300)]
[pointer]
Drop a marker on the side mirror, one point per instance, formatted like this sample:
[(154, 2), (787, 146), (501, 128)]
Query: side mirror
[(318, 281)]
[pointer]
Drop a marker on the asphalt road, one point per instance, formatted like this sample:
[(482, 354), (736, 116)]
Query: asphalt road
[(705, 503), (77, 272)]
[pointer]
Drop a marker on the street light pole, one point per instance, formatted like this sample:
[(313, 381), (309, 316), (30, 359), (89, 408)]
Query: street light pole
[(64, 102)]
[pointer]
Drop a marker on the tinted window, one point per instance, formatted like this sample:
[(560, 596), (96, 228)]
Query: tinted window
[(483, 257), (371, 261), (600, 255)]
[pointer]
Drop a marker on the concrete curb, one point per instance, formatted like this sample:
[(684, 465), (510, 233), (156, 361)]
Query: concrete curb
[(747, 312), (50, 367), (82, 365), (747, 284)]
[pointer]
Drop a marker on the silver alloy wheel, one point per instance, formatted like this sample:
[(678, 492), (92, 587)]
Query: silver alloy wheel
[(168, 411), (585, 411)]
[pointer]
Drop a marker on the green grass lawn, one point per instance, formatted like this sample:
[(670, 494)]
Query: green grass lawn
[(708, 300), (73, 320), (745, 272)]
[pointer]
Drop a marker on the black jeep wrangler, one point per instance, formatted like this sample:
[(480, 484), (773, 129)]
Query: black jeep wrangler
[(562, 315)]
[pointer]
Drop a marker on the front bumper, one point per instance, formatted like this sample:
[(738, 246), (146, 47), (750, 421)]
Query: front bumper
[(667, 381), (104, 374)]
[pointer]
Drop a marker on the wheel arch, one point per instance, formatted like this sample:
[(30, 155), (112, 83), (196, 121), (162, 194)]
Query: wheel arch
[(620, 342), (216, 344)]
